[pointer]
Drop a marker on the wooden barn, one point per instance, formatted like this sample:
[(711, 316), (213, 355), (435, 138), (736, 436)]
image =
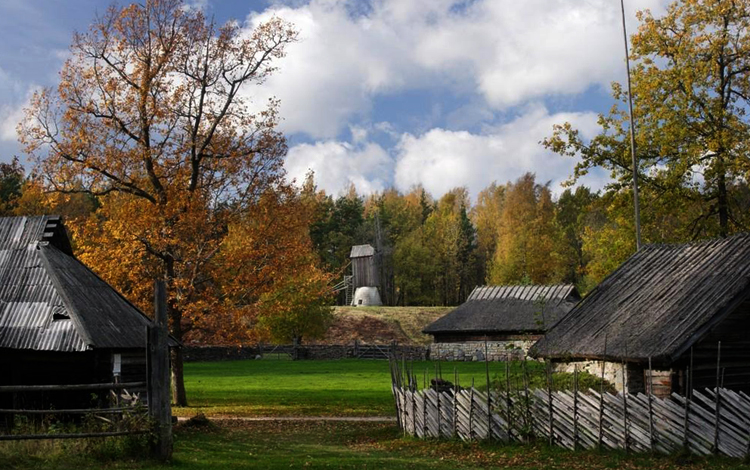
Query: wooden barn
[(509, 318), (365, 276), (667, 303), (59, 322)]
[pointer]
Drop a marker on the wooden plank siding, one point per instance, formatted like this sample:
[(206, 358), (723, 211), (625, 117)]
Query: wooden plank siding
[(734, 334), (365, 272)]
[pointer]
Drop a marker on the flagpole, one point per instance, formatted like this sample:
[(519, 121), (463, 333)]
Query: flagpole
[(632, 136)]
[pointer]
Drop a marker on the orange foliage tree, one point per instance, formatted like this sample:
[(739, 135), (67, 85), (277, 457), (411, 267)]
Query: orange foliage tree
[(148, 117)]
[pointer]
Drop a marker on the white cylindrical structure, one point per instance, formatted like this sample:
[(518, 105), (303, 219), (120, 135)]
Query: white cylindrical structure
[(366, 297)]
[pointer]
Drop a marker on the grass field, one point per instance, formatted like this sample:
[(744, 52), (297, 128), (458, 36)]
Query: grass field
[(274, 445), (326, 388), (299, 388), (316, 388)]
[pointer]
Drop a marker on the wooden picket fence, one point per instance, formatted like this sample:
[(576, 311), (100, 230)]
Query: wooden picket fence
[(714, 421)]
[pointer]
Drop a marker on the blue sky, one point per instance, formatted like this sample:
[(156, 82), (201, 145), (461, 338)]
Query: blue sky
[(382, 93)]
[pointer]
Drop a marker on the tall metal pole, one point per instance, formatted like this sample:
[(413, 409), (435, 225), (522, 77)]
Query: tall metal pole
[(632, 135)]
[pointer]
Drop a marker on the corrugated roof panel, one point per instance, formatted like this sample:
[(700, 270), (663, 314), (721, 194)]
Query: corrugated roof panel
[(50, 301)]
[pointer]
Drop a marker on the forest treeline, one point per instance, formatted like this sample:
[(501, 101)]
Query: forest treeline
[(434, 251), (431, 251)]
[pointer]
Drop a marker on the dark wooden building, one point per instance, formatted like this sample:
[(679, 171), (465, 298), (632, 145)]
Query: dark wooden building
[(364, 266), (365, 276), (508, 317), (59, 322), (662, 303)]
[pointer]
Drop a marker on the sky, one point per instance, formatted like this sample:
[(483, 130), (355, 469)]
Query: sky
[(390, 93)]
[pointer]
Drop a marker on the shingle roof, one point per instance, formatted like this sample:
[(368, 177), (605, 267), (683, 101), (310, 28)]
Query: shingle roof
[(519, 309), (50, 301), (360, 251), (656, 304)]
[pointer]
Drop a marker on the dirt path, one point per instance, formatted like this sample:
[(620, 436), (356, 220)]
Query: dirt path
[(348, 419)]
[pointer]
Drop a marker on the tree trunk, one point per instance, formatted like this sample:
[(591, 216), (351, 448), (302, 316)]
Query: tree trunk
[(179, 398)]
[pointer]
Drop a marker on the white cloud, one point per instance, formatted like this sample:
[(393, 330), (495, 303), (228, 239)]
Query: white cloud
[(11, 111), (505, 51), (443, 159), (339, 164)]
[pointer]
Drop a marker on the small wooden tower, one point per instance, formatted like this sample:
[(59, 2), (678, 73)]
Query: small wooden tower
[(365, 279)]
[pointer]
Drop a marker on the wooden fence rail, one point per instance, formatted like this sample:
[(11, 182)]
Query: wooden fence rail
[(713, 421)]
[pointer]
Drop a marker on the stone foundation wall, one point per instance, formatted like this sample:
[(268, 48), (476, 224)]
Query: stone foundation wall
[(635, 375), (474, 350)]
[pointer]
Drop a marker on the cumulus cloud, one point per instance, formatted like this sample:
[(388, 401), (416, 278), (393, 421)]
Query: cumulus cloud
[(11, 108), (504, 51), (442, 159), (337, 165)]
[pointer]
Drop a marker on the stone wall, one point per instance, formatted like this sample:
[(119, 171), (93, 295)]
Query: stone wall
[(218, 353), (314, 351), (474, 350), (636, 376)]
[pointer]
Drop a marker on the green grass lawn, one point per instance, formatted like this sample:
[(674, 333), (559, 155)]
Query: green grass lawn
[(328, 388), (302, 388), (275, 445), (318, 388)]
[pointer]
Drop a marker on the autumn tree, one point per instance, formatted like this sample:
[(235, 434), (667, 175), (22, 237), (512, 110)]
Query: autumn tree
[(149, 117), (486, 217), (528, 243), (691, 90), (576, 213)]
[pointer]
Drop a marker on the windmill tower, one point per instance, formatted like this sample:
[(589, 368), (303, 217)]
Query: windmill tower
[(365, 280)]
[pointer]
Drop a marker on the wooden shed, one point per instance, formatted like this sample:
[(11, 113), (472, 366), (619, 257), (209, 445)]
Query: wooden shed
[(364, 266), (59, 322), (666, 303), (509, 318), (365, 276)]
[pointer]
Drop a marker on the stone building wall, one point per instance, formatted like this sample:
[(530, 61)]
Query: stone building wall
[(474, 350), (636, 376)]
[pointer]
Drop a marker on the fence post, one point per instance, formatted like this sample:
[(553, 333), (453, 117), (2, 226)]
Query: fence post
[(455, 401), (437, 394), (489, 398), (471, 409), (650, 406), (601, 396), (575, 407), (528, 423), (159, 398), (688, 390), (717, 421), (624, 406), (549, 404), (508, 401)]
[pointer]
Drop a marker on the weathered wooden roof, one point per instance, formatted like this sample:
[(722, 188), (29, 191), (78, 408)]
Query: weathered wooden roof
[(50, 301), (512, 309), (361, 251), (656, 304)]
